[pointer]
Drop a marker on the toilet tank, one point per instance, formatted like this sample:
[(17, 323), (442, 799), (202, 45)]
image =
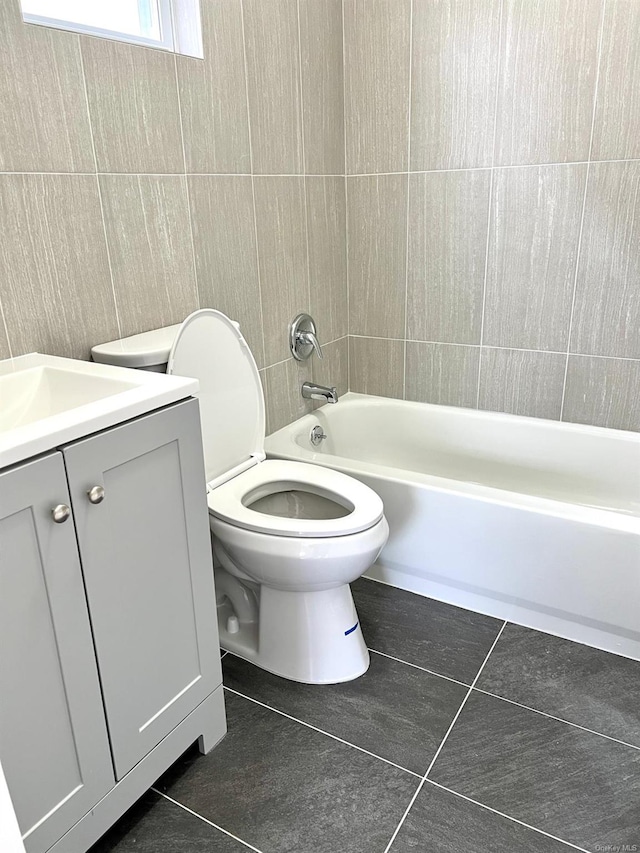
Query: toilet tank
[(146, 351)]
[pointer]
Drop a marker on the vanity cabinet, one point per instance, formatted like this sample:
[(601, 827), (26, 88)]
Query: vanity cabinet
[(108, 632), (53, 737)]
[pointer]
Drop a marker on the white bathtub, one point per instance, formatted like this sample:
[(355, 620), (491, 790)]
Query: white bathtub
[(528, 520)]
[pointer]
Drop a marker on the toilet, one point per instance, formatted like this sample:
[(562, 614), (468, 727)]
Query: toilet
[(288, 537)]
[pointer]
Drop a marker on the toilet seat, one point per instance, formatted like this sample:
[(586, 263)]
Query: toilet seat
[(226, 501)]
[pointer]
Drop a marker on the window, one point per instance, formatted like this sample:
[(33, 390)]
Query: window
[(166, 24)]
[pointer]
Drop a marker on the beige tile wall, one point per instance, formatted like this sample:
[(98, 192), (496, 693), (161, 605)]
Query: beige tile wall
[(501, 268), (136, 186), (489, 221)]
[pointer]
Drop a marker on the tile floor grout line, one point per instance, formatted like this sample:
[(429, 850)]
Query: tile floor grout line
[(206, 820), (506, 699), (421, 668), (557, 719), (443, 741), (322, 732), (506, 816)]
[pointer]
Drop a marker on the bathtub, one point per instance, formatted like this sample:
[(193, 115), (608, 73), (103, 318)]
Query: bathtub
[(528, 520)]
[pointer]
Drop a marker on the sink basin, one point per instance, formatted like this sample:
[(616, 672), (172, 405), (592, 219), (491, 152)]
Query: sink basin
[(46, 401), (40, 392)]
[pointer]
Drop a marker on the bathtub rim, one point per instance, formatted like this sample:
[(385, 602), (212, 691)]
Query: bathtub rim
[(483, 414), (281, 444)]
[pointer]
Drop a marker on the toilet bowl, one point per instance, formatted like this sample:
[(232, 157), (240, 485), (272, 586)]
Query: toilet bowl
[(288, 537), (307, 626)]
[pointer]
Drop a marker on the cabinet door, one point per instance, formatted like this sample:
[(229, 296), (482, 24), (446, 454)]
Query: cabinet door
[(146, 557), (53, 739)]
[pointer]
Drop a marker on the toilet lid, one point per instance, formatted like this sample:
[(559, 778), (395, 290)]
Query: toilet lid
[(209, 347)]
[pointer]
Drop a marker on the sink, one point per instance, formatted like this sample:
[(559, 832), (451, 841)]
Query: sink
[(46, 401), (40, 392)]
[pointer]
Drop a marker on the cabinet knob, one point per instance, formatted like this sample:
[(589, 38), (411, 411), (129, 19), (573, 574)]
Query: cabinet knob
[(96, 494), (60, 513)]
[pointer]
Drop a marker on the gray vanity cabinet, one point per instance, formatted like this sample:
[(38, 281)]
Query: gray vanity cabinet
[(53, 737), (109, 654), (143, 546)]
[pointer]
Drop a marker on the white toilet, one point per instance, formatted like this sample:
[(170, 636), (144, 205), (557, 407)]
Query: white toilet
[(288, 537)]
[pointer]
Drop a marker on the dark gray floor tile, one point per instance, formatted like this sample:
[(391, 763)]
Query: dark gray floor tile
[(394, 710), (577, 786), (440, 637), (154, 825), (285, 788), (440, 822), (594, 689)]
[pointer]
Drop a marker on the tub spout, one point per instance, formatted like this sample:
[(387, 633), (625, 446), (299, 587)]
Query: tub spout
[(311, 391)]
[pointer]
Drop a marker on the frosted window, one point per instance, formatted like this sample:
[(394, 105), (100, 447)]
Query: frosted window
[(135, 17), (167, 24)]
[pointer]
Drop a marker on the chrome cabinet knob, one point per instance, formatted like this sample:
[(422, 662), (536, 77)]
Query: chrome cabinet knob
[(60, 513), (96, 495)]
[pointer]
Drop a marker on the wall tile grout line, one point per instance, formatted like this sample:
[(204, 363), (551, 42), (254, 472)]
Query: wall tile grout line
[(313, 175), (321, 731), (206, 820), (569, 844), (304, 160), (252, 177), (444, 740), (499, 69), (498, 347), (6, 329), (484, 286), (290, 357), (310, 175), (611, 357), (408, 208), (97, 176), (346, 197), (186, 185), (497, 167), (584, 206)]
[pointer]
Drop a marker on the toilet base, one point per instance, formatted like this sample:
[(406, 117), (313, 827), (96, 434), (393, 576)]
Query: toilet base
[(311, 637)]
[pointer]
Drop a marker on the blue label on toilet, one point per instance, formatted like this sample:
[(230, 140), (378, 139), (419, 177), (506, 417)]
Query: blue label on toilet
[(351, 630)]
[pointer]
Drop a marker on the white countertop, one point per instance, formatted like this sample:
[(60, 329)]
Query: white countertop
[(47, 401)]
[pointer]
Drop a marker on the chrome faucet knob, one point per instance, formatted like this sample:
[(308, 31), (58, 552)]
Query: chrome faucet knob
[(303, 339), (307, 338)]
